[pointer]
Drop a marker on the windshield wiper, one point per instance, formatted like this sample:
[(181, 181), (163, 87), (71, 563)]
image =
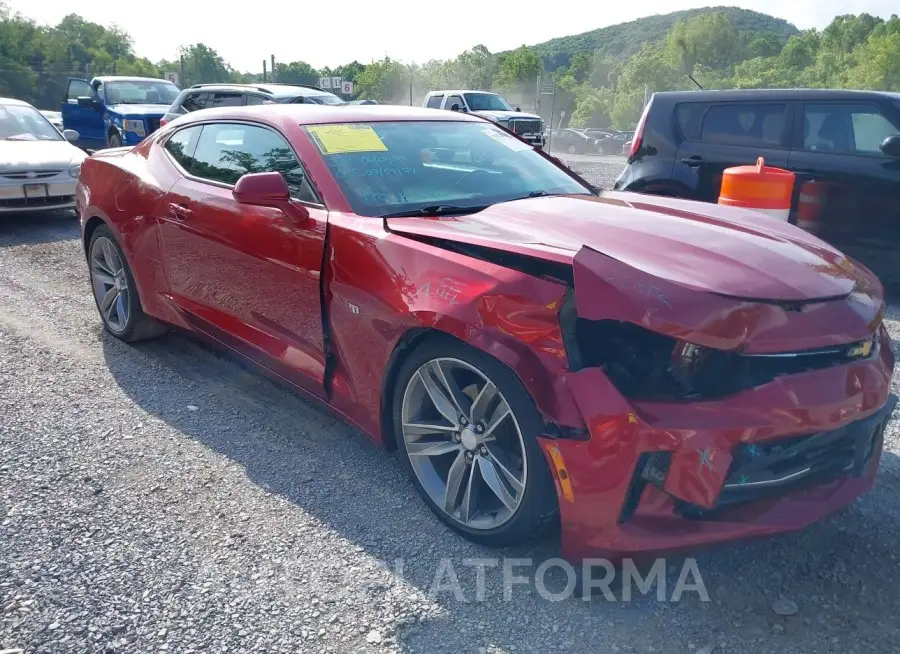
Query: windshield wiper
[(436, 210)]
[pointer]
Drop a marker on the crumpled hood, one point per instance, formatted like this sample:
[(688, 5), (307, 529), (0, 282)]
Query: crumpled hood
[(695, 246), (506, 115), (139, 110), (36, 155)]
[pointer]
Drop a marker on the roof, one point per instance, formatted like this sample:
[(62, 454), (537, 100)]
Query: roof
[(275, 90), (459, 91), (311, 114), (19, 103), (124, 78), (774, 94)]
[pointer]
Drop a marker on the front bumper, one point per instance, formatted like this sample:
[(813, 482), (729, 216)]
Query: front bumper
[(29, 195), (654, 479)]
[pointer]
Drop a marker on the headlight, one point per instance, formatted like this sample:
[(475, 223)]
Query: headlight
[(75, 171), (136, 126)]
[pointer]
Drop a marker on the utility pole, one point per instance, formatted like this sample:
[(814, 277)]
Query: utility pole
[(264, 71), (273, 70), (181, 74)]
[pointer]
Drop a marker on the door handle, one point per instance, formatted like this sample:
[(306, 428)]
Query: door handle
[(180, 211), (693, 162), (809, 175)]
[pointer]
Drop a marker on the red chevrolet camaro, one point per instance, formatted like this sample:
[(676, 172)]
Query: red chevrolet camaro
[(650, 374)]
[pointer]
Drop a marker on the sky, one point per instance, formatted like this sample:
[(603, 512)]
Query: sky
[(333, 34)]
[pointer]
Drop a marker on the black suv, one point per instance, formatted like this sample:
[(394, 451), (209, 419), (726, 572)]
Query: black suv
[(207, 96), (844, 147)]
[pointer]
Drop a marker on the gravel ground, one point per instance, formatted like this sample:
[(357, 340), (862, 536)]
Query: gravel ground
[(165, 498)]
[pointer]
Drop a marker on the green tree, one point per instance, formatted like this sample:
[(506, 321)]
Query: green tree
[(386, 81), (522, 65), (202, 64), (296, 72), (877, 64), (475, 68)]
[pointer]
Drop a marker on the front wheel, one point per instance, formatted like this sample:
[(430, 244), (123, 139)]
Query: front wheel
[(470, 447)]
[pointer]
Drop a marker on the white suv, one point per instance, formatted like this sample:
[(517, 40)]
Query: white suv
[(492, 106)]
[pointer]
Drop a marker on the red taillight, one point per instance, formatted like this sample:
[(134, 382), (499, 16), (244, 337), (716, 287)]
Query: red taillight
[(639, 131), (163, 121)]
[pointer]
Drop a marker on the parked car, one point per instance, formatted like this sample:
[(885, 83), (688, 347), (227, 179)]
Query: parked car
[(115, 111), (210, 96), (433, 305), (362, 102), (38, 165), (573, 141), (55, 119), (529, 127), (844, 147)]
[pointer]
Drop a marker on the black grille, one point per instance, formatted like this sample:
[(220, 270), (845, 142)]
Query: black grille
[(29, 175), (31, 203), (525, 126), (761, 470), (153, 124)]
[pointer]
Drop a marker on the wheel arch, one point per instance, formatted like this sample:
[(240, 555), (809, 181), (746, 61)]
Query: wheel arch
[(512, 354)]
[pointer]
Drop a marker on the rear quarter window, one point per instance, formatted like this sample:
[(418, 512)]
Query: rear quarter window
[(434, 102), (195, 102)]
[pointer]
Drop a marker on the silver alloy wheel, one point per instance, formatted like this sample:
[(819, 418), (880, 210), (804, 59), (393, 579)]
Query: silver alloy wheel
[(464, 443), (110, 284)]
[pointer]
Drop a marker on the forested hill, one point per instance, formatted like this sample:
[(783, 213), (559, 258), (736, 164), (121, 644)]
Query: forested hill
[(623, 40)]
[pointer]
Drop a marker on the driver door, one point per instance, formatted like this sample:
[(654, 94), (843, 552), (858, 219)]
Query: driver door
[(87, 121), (246, 275)]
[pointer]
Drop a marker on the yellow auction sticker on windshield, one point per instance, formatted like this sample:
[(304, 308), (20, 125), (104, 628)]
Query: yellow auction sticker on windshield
[(341, 139)]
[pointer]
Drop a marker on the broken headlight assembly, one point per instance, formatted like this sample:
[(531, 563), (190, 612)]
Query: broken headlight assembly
[(647, 366)]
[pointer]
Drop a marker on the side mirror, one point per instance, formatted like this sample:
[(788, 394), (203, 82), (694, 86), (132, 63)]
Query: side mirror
[(891, 146), (262, 189), (455, 107), (71, 135), (86, 102), (518, 109), (268, 190)]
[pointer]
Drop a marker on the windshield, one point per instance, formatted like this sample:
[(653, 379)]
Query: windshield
[(24, 123), (392, 167), (486, 102), (141, 92)]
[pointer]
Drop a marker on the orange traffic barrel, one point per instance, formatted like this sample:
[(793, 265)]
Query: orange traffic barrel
[(811, 205), (760, 187)]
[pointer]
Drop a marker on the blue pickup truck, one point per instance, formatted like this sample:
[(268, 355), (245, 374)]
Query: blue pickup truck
[(109, 112)]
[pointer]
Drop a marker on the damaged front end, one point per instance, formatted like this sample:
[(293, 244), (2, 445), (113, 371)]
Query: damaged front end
[(714, 417)]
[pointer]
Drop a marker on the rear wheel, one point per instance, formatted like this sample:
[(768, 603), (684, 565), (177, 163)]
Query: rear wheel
[(115, 291), (470, 447)]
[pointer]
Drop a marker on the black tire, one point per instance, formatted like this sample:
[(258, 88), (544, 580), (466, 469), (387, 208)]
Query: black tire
[(115, 141), (538, 510), (139, 325)]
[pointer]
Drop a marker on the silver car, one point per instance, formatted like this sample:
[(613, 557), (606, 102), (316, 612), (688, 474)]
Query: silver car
[(38, 165)]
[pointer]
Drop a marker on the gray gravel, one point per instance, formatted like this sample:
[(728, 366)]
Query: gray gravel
[(165, 498)]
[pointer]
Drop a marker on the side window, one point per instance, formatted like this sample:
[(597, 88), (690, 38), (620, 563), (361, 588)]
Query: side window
[(98, 88), (257, 99), (227, 151), (434, 102), (195, 102), (688, 116), (78, 88), (845, 128), (181, 146), (227, 100), (758, 125), (455, 99)]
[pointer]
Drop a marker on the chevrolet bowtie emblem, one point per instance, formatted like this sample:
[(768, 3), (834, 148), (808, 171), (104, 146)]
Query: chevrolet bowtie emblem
[(861, 350)]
